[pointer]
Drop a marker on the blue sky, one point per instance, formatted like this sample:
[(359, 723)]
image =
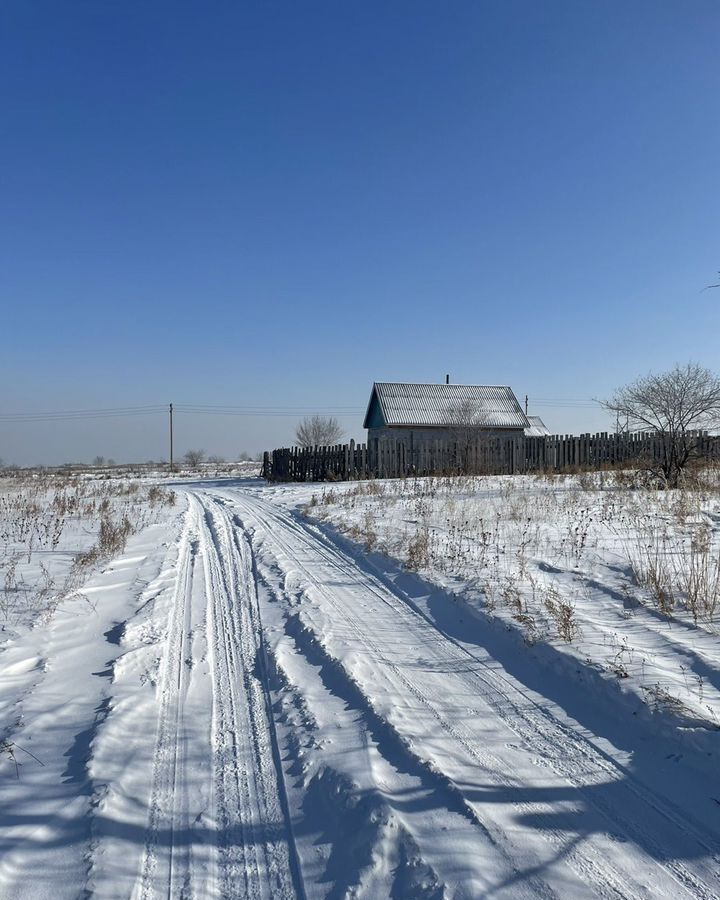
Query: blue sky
[(275, 204)]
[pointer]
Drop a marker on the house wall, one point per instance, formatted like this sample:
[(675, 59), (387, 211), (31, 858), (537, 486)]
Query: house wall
[(410, 435), (414, 438)]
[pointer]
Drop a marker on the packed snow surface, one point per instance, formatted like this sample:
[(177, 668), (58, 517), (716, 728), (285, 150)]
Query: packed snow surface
[(365, 693)]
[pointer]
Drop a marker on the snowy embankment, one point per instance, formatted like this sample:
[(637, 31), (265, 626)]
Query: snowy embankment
[(72, 573), (620, 585), (461, 688)]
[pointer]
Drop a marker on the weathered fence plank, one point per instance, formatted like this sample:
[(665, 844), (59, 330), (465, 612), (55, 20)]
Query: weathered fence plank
[(384, 458)]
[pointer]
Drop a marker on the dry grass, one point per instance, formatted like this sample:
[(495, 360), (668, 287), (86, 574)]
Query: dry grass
[(40, 513), (484, 530)]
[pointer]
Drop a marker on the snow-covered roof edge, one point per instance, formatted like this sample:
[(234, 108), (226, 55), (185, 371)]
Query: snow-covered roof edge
[(430, 404)]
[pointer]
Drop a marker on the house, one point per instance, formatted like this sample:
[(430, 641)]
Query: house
[(536, 428), (417, 413)]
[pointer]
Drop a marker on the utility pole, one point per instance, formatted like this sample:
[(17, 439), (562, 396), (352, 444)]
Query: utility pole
[(526, 404), (171, 439)]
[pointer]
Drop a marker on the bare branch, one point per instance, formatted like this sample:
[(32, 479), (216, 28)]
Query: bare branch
[(677, 404), (708, 286), (318, 431), (193, 458)]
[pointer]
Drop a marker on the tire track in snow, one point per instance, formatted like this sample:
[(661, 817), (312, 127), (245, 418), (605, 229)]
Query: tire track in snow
[(165, 814), (568, 754), (591, 868), (256, 854), (242, 849)]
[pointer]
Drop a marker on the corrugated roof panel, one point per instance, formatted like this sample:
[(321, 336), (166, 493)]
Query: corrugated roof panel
[(536, 428), (492, 406)]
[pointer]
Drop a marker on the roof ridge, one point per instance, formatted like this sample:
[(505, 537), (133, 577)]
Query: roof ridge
[(443, 384)]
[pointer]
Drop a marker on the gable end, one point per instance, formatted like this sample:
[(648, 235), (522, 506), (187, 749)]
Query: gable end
[(374, 416)]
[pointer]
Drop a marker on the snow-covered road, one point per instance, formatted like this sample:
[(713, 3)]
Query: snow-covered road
[(280, 719), (214, 714)]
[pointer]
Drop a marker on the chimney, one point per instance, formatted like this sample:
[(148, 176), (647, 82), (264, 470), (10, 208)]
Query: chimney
[(447, 379)]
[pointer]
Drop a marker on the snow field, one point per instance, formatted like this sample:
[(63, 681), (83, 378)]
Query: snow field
[(447, 702), (55, 530), (570, 563), (494, 702)]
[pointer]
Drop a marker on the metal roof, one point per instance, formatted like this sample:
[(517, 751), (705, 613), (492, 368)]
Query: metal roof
[(491, 406), (536, 428)]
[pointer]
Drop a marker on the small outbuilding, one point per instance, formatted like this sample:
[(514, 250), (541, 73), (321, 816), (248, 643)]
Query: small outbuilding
[(536, 428), (415, 413)]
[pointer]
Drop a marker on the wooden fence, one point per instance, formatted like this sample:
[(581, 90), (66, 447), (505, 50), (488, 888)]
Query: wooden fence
[(383, 458), (340, 462)]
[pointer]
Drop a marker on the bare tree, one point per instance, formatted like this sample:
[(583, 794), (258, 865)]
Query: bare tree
[(194, 457), (677, 405), (466, 421), (318, 431)]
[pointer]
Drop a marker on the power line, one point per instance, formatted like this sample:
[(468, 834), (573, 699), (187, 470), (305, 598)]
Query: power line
[(19, 419), (94, 411), (211, 407), (565, 403), (263, 414), (259, 411), (187, 409)]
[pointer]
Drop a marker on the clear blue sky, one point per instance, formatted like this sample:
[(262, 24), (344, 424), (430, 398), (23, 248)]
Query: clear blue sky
[(275, 204)]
